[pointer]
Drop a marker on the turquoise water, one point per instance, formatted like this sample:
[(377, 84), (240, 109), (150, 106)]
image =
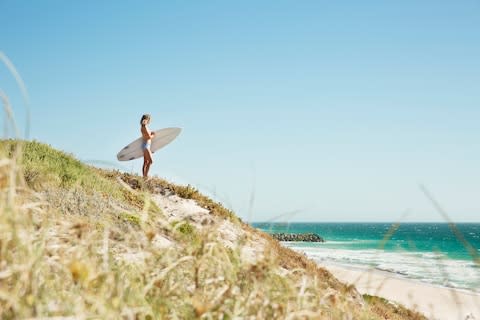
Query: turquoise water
[(435, 253)]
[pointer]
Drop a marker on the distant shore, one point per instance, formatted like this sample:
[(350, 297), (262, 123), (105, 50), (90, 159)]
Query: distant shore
[(435, 302)]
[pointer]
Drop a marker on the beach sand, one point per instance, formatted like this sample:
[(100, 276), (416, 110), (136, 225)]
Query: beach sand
[(435, 302)]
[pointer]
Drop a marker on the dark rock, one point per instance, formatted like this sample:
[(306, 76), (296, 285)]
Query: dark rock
[(306, 237)]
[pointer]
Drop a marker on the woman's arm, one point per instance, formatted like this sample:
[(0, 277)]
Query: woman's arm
[(150, 133), (146, 133)]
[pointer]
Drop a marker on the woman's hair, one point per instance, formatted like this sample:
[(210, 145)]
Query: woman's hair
[(144, 117)]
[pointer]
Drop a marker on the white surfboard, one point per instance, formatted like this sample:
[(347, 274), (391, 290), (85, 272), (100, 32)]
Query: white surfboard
[(161, 139)]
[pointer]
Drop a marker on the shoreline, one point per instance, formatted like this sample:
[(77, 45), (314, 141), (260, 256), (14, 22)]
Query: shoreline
[(459, 274), (398, 275), (434, 301)]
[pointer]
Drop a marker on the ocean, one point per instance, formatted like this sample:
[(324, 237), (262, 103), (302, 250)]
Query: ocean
[(434, 253)]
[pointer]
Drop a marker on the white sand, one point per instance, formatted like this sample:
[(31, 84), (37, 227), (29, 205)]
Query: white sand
[(435, 302), (178, 209)]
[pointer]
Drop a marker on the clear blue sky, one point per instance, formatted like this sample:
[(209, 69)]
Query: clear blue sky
[(335, 110)]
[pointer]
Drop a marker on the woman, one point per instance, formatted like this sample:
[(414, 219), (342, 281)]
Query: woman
[(147, 142)]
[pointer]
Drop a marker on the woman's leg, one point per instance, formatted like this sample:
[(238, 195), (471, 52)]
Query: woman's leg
[(147, 161), (144, 166)]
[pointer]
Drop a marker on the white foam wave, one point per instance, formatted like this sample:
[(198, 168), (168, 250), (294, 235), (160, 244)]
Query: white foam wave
[(430, 267)]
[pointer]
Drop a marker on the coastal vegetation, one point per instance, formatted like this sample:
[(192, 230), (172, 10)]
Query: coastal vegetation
[(82, 242)]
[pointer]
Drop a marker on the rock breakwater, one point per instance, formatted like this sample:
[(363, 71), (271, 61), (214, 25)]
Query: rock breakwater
[(306, 237)]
